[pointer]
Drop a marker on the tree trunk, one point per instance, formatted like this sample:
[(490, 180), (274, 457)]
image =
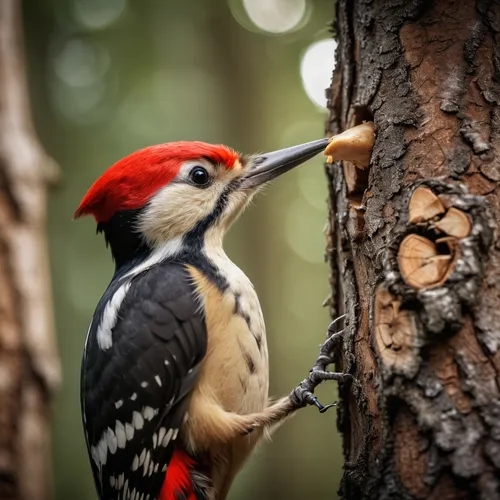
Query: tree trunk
[(29, 369), (414, 251)]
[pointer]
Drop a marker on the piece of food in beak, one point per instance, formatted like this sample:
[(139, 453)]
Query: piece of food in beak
[(354, 145)]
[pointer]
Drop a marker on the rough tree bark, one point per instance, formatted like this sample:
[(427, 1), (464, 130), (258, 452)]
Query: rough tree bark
[(418, 271), (29, 368)]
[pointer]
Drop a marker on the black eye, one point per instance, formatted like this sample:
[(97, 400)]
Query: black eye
[(199, 176)]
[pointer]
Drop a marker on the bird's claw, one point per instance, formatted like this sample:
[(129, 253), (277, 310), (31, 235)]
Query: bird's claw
[(304, 394), (322, 408)]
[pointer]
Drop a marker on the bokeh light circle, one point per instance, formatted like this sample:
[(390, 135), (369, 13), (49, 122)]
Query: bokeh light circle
[(98, 14), (80, 79), (316, 68), (275, 16), (80, 63)]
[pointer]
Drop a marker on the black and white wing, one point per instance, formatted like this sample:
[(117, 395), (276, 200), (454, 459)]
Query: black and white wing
[(141, 360)]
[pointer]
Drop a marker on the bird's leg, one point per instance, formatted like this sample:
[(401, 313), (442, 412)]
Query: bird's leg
[(210, 423), (303, 394)]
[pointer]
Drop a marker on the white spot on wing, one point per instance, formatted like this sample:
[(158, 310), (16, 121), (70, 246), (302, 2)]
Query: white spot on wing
[(119, 404), (95, 455), (151, 465), (144, 384), (149, 413), (111, 440), (109, 317), (137, 420), (161, 434), (112, 481), (146, 463), (155, 440), (121, 438), (167, 362), (164, 468), (174, 435), (142, 457), (135, 463), (102, 450), (156, 468), (119, 484), (134, 396), (129, 431), (167, 438), (158, 380)]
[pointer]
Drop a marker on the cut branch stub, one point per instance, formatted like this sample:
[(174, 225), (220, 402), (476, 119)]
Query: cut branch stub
[(421, 264), (438, 264), (426, 262), (424, 205), (455, 223), (396, 337), (354, 145)]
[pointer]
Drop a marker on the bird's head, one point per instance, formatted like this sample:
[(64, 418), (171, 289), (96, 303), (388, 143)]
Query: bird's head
[(181, 193)]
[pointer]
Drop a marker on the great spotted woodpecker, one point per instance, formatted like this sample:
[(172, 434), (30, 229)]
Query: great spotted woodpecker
[(174, 380)]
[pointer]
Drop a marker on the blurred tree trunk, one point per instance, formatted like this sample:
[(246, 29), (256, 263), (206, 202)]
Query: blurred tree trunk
[(418, 271), (29, 369)]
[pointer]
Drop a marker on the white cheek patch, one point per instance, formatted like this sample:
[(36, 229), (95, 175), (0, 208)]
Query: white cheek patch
[(176, 209), (236, 204)]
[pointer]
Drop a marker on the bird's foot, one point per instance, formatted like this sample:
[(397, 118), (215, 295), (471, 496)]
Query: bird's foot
[(303, 394)]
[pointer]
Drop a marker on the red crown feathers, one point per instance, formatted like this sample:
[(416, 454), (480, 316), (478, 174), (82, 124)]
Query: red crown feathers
[(131, 182)]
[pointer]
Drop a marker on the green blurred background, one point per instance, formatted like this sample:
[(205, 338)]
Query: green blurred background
[(110, 76)]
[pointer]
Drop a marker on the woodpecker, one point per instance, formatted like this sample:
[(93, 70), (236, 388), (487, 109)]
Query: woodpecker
[(174, 378)]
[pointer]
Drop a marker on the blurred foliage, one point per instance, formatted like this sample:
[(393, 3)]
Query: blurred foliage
[(110, 76)]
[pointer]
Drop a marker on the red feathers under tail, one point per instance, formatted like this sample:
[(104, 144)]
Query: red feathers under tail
[(178, 478)]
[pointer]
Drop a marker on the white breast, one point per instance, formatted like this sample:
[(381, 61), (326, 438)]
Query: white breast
[(237, 363), (243, 291)]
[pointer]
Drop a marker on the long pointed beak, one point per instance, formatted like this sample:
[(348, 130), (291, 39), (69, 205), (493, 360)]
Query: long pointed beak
[(268, 166)]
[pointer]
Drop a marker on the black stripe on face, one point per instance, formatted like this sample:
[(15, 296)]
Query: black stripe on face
[(193, 253), (194, 238)]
